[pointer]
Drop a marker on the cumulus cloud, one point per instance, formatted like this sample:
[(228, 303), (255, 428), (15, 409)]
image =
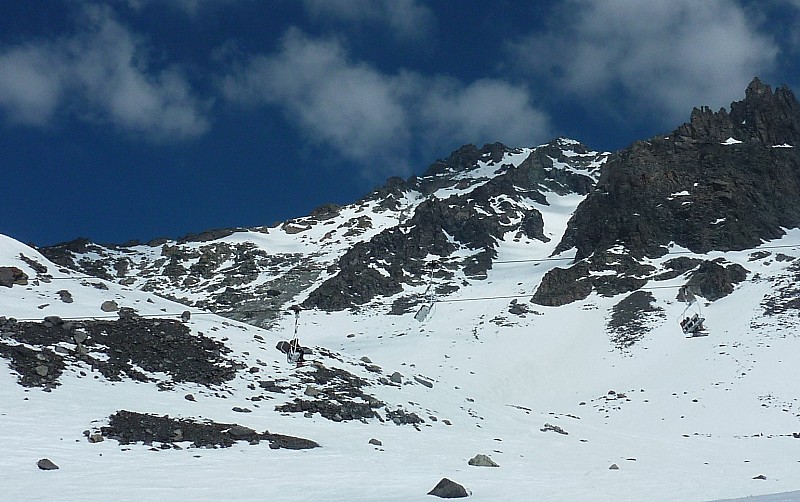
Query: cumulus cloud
[(408, 19), (30, 84), (377, 119), (662, 57), (489, 109), (98, 74)]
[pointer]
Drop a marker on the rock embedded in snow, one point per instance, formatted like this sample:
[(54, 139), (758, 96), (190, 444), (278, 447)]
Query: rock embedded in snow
[(426, 383), (109, 306), (396, 377), (553, 428), (376, 442), (10, 276), (65, 296), (46, 464), (481, 460), (613, 467), (517, 308), (448, 489)]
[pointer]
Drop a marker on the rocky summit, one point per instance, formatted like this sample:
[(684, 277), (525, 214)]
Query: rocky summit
[(529, 303), (722, 181)]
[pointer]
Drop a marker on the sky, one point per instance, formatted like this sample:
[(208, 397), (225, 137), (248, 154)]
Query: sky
[(130, 120)]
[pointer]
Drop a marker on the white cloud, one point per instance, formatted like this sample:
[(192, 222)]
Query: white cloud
[(408, 19), (489, 109), (376, 119), (662, 57), (30, 84), (98, 74), (348, 106)]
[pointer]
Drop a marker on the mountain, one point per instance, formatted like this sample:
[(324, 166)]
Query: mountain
[(520, 304), (375, 248)]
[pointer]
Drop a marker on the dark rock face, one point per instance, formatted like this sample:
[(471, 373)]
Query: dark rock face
[(561, 286), (713, 281), (690, 188), (131, 427)]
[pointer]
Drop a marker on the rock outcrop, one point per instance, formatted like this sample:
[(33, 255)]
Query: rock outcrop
[(723, 181)]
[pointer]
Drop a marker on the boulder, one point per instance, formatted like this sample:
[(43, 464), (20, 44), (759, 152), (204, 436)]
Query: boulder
[(713, 280), (10, 276), (481, 460), (46, 464), (109, 306), (448, 489)]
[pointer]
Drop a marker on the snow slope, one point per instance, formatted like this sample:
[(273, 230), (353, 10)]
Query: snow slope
[(682, 419)]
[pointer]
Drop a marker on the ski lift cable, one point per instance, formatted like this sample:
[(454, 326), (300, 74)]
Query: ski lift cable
[(280, 309), (428, 296)]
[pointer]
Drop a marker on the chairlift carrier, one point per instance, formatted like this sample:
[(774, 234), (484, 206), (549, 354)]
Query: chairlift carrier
[(426, 308), (691, 319), (294, 353)]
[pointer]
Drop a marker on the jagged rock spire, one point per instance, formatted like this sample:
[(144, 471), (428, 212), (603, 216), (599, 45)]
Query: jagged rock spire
[(732, 194), (762, 116)]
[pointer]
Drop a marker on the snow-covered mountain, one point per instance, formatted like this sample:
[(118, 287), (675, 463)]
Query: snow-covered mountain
[(519, 303)]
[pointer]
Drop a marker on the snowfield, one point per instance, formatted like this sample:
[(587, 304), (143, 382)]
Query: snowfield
[(545, 394)]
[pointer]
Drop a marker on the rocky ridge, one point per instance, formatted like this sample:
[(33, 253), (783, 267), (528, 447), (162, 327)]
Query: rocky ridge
[(342, 257)]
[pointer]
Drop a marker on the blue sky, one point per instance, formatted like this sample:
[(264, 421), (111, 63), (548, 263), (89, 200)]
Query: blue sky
[(136, 119)]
